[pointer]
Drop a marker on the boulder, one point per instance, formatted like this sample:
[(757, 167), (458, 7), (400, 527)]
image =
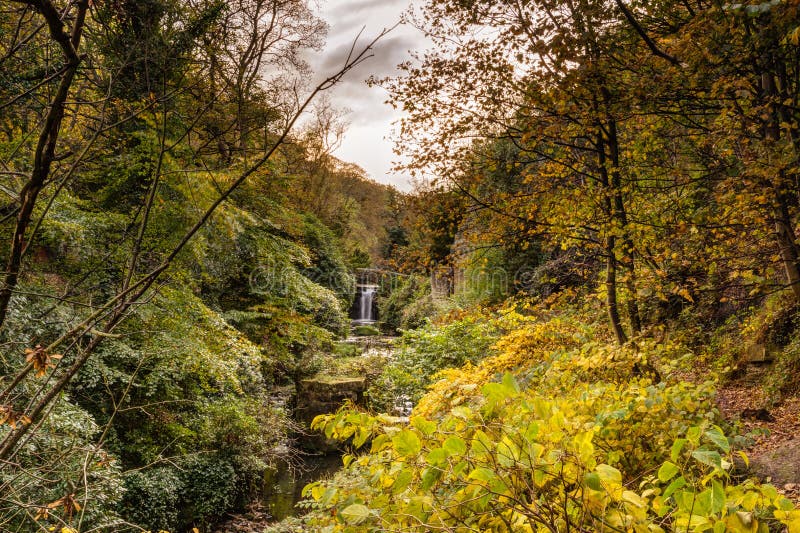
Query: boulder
[(323, 395), (757, 353), (780, 465)]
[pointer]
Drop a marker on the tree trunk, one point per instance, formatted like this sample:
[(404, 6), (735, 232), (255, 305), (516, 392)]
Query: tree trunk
[(46, 145), (611, 292), (621, 216), (614, 208), (783, 229), (786, 240)]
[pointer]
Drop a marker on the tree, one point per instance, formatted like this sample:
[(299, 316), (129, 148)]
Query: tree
[(90, 111), (586, 91), (543, 76)]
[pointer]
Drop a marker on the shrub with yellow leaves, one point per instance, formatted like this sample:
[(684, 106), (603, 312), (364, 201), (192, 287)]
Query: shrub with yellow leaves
[(581, 436)]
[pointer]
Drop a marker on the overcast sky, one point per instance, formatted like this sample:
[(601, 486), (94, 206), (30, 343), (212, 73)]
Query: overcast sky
[(367, 139)]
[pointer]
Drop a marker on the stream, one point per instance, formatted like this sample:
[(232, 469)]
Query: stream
[(283, 485)]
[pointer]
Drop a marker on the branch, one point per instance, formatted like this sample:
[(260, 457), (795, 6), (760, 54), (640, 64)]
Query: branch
[(44, 154), (643, 34)]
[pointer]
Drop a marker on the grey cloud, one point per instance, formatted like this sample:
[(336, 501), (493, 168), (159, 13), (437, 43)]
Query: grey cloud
[(387, 54), (348, 6), (366, 143), (355, 14)]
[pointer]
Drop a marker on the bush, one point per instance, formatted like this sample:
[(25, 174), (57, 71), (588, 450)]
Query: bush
[(557, 430), (209, 488), (329, 267), (60, 477), (366, 331), (425, 308), (520, 462), (169, 498), (393, 308), (152, 497), (784, 376), (423, 352)]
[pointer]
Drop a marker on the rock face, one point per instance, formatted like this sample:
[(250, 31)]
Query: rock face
[(780, 465), (322, 395), (757, 353)]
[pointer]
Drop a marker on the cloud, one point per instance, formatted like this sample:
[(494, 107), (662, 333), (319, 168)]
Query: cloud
[(353, 91), (372, 6), (366, 142), (355, 14)]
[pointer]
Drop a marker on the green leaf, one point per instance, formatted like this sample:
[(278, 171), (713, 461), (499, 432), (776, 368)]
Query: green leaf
[(608, 474), (495, 392), (455, 446), (717, 497), (531, 432), (592, 480), (327, 496), (355, 513), (508, 453), (407, 443), (708, 457), (462, 412), (667, 471), (702, 503), (483, 474), (481, 444), (716, 436), (402, 481), (360, 437), (426, 427), (459, 468), (675, 485), (508, 388), (429, 477), (693, 435), (437, 456), (685, 500), (511, 382), (381, 442), (309, 489), (676, 449)]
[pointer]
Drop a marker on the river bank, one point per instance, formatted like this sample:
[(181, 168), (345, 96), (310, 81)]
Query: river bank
[(308, 457)]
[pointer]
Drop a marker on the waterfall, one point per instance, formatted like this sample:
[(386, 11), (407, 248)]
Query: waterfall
[(364, 308)]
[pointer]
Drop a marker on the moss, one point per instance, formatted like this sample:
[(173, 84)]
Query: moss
[(366, 331), (334, 380)]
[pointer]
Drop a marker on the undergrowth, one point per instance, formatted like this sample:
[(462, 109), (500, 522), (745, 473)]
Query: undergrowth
[(553, 429)]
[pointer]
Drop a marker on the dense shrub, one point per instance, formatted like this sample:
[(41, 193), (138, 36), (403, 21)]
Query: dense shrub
[(365, 331), (173, 498), (553, 432), (152, 497), (209, 488), (408, 304), (80, 483), (329, 267), (423, 352)]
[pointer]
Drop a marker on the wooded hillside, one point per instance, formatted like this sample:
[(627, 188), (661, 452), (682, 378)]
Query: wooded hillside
[(592, 291)]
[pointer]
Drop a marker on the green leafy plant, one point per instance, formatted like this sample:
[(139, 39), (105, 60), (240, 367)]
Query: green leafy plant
[(421, 353), (580, 436)]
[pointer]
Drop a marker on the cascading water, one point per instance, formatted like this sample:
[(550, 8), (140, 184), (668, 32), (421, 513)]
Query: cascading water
[(364, 307)]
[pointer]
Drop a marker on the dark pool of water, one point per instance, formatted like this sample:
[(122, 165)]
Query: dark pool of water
[(283, 486)]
